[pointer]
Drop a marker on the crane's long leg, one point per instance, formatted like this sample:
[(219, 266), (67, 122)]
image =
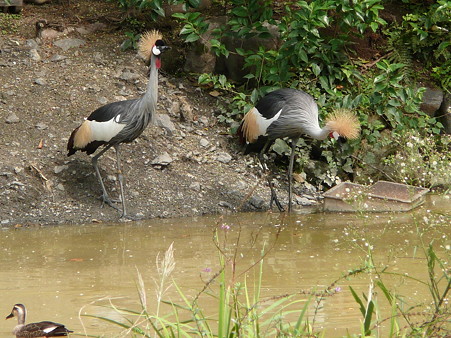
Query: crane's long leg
[(121, 179), (271, 186), (105, 198), (294, 142)]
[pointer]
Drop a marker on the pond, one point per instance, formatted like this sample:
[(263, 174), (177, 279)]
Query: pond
[(61, 272)]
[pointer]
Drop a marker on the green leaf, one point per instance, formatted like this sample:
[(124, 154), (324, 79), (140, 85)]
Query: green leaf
[(316, 69), (240, 11), (192, 37)]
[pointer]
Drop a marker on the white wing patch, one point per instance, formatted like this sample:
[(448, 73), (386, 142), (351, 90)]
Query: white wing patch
[(264, 123), (105, 131), (49, 329)]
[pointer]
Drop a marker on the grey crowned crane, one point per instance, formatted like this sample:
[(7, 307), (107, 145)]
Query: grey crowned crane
[(291, 113), (41, 329), (122, 121)]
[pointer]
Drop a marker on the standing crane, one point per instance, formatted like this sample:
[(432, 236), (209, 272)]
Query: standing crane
[(40, 329), (122, 121), (291, 113)]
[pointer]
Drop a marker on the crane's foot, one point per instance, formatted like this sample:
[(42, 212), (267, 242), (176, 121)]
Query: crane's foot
[(274, 198), (107, 200), (127, 217)]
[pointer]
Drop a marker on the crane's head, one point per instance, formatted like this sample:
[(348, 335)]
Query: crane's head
[(343, 124), (151, 43)]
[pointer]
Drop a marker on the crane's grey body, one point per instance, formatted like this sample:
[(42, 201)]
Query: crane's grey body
[(298, 115)]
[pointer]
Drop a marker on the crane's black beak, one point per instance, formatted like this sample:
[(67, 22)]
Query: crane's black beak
[(341, 140)]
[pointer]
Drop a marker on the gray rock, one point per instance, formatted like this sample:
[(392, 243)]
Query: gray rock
[(256, 202), (60, 187), (12, 118), (444, 113), (204, 142), (32, 44), (127, 75), (195, 186), (59, 168), (102, 100), (225, 204), (41, 126), (34, 55), (57, 58), (162, 160), (304, 201), (40, 81), (175, 108), (164, 121), (66, 44), (204, 120), (432, 99), (224, 157)]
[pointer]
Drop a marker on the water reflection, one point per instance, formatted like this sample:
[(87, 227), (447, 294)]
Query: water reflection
[(56, 271)]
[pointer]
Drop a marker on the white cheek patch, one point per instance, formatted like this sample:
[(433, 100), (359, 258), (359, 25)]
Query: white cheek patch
[(105, 131), (335, 135), (155, 50)]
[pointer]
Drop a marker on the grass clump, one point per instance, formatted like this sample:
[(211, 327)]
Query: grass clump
[(241, 310)]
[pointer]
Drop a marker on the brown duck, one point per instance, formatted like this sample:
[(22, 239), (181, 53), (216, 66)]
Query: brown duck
[(41, 329)]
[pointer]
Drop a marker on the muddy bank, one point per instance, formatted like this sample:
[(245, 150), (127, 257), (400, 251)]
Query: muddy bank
[(185, 165)]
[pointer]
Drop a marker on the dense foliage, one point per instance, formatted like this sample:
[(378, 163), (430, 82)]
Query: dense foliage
[(317, 54)]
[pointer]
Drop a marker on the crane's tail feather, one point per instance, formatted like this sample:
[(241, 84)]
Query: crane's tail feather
[(147, 42), (345, 123)]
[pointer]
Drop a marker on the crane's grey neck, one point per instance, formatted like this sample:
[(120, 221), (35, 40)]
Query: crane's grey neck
[(149, 100), (318, 133)]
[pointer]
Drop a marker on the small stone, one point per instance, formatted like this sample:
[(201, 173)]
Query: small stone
[(204, 142), (102, 100), (304, 201), (195, 186), (127, 75), (204, 120), (111, 178), (66, 44), (12, 118), (60, 168), (57, 58), (224, 157), (163, 159), (164, 121), (175, 108), (60, 187), (34, 55), (32, 44), (40, 81), (225, 204), (41, 126)]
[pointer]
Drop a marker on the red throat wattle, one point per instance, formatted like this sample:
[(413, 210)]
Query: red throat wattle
[(158, 63)]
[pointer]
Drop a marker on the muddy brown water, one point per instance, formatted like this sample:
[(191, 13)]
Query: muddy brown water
[(62, 272)]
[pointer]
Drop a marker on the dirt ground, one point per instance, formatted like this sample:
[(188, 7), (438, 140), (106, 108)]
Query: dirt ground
[(46, 91)]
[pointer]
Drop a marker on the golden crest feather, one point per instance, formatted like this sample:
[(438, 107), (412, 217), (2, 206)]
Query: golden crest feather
[(345, 123), (146, 43)]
